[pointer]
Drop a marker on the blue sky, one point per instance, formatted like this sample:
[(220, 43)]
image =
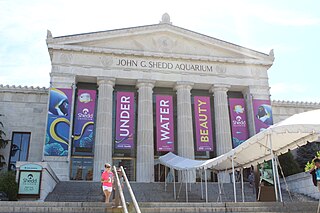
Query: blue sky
[(290, 27)]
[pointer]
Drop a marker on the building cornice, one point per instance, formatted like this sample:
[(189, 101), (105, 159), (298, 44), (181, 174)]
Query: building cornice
[(295, 104), (23, 89), (99, 50)]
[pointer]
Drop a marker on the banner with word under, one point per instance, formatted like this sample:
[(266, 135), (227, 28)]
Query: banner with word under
[(262, 114), (84, 119), (58, 124), (203, 122), (164, 123), (124, 138), (238, 120)]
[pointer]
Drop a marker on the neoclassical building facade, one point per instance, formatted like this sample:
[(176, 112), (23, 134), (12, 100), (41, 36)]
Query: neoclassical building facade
[(128, 96)]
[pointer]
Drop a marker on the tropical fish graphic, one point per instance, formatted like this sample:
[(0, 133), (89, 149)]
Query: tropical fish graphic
[(59, 104), (238, 109), (123, 139), (85, 98)]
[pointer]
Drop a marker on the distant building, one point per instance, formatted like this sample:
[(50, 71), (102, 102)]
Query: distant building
[(127, 96)]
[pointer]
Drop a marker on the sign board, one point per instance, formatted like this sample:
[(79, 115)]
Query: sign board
[(30, 180)]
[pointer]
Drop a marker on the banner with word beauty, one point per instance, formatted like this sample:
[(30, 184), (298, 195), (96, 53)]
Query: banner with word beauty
[(58, 124), (164, 123), (83, 141), (262, 114), (203, 122), (124, 138), (238, 119)]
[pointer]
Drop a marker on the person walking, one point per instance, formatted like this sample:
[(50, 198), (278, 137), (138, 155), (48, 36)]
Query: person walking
[(107, 178)]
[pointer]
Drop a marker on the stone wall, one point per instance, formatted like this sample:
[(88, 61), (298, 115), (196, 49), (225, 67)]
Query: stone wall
[(301, 183), (24, 110)]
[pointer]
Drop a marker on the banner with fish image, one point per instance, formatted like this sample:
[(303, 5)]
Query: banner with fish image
[(262, 114), (83, 128), (202, 114), (238, 119), (164, 123), (124, 138), (58, 124)]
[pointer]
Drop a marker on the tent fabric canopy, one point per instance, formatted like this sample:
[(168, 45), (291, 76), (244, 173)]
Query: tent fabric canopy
[(289, 134)]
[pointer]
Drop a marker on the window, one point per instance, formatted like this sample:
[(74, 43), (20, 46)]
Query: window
[(19, 148)]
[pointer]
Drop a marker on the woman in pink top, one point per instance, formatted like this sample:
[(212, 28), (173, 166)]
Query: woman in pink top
[(107, 180)]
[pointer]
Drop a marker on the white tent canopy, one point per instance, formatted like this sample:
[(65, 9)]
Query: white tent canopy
[(289, 134)]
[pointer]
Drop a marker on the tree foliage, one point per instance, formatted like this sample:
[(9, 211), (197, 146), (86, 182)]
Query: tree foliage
[(288, 164), (8, 184), (307, 153)]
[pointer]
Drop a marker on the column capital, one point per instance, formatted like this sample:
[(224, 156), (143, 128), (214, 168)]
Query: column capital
[(106, 80), (183, 85), (220, 87), (145, 83)]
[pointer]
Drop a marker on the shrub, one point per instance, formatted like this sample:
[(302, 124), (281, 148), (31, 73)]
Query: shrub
[(307, 153), (288, 164), (8, 184)]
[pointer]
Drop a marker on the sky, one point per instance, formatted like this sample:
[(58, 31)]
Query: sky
[(290, 27)]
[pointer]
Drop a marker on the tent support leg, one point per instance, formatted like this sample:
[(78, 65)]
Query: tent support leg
[(165, 179), (206, 183), (200, 171), (186, 179), (234, 181), (273, 168), (278, 178), (174, 185), (242, 185)]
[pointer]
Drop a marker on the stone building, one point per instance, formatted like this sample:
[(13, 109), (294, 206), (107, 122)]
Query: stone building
[(140, 74)]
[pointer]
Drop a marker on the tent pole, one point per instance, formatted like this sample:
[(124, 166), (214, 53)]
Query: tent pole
[(206, 183), (159, 176), (201, 184), (273, 168), (278, 178), (234, 180), (186, 179), (220, 191), (242, 185), (174, 185), (165, 178)]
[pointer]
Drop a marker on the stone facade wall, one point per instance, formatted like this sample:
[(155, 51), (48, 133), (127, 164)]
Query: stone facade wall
[(24, 110)]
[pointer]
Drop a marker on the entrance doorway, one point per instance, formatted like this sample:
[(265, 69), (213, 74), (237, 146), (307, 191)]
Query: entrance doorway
[(81, 168), (129, 166)]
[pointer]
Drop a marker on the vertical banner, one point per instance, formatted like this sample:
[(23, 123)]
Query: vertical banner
[(262, 114), (164, 123), (202, 111), (238, 120), (124, 138), (58, 124), (84, 123)]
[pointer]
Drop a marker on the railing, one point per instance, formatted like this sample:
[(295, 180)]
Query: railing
[(123, 201), (133, 197)]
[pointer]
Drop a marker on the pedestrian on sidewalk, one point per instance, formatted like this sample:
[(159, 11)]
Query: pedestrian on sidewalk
[(107, 179)]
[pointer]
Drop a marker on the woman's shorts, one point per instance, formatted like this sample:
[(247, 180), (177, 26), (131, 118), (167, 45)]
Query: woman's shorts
[(108, 188)]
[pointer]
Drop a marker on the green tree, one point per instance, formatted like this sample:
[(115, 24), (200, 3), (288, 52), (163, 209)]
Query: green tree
[(3, 144), (307, 153), (8, 184), (288, 164)]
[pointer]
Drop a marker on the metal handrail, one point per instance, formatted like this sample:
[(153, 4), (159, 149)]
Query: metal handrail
[(123, 201), (133, 197)]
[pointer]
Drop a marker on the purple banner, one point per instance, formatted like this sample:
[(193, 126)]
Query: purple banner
[(84, 122), (164, 123), (238, 120), (262, 114), (58, 125), (124, 138), (202, 111)]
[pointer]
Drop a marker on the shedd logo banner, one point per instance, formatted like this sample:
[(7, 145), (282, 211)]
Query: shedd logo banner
[(238, 120), (202, 111), (58, 124), (164, 123), (29, 183), (124, 138), (84, 122)]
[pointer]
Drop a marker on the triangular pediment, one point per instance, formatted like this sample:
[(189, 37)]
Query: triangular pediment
[(160, 39)]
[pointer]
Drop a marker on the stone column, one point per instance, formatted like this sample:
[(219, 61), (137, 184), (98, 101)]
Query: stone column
[(103, 137), (145, 146), (222, 119), (184, 124)]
